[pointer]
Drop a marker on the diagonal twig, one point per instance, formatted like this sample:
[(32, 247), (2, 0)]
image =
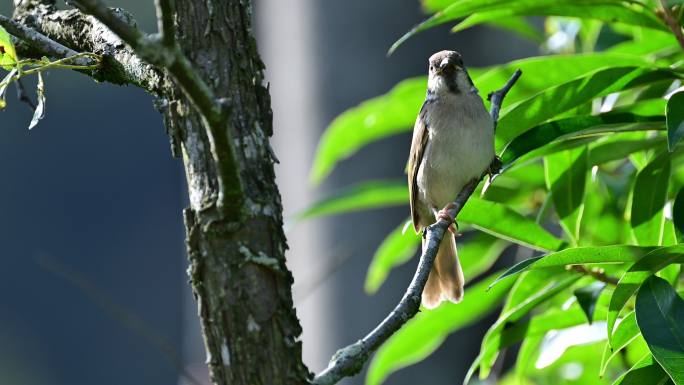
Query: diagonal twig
[(40, 42), (349, 360), (165, 12)]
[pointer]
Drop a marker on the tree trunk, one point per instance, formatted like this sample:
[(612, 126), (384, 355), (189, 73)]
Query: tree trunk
[(238, 272), (237, 264)]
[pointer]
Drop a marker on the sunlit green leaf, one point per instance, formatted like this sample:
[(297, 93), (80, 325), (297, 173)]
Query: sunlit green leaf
[(423, 334), (650, 193), (574, 128), (610, 12), (566, 175), (626, 332), (630, 281), (646, 371), (579, 256), (500, 221), (362, 196), (492, 340), (660, 316), (397, 248), (8, 54), (675, 119), (519, 118), (520, 26)]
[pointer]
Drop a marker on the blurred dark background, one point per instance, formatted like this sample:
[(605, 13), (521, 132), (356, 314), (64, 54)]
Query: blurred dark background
[(93, 286)]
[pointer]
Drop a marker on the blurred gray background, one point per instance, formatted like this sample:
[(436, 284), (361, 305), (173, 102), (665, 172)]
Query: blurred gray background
[(93, 286)]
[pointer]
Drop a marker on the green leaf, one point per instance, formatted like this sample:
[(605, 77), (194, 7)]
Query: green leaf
[(675, 119), (8, 54), (660, 316), (579, 256), (646, 371), (630, 281), (505, 223), (610, 12), (363, 196), (557, 70), (626, 332), (423, 334), (492, 340), (374, 119), (521, 117), (678, 211), (566, 175), (650, 193), (620, 149), (500, 221), (576, 127), (587, 297), (520, 26), (397, 248)]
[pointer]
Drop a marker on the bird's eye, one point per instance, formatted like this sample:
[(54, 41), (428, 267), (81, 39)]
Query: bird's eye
[(432, 68)]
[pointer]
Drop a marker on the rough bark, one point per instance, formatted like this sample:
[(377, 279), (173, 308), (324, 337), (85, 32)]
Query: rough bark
[(237, 263)]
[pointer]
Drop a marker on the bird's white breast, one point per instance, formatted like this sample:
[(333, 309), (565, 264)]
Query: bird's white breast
[(460, 146)]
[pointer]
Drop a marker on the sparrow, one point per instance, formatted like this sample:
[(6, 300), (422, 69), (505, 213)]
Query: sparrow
[(453, 142)]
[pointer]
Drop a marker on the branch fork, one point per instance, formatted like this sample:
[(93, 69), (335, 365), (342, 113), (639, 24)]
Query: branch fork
[(349, 360)]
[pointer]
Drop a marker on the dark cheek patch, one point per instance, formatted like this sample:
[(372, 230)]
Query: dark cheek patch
[(2, 49)]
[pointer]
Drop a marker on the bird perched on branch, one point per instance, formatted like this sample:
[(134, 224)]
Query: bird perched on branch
[(453, 142)]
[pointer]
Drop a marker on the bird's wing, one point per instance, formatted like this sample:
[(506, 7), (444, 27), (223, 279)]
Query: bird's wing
[(418, 144)]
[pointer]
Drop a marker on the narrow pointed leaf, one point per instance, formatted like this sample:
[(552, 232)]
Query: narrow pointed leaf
[(492, 340), (397, 248), (363, 196), (577, 127), (626, 332), (630, 281), (660, 316), (521, 117), (460, 9), (675, 119), (650, 194), (578, 256), (566, 175), (610, 12), (500, 221), (646, 371)]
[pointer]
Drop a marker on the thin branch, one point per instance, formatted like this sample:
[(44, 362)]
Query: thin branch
[(216, 115), (672, 22), (497, 97), (165, 12), (598, 274), (74, 29), (40, 42), (350, 360)]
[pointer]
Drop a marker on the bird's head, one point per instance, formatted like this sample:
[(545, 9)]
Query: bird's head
[(448, 74)]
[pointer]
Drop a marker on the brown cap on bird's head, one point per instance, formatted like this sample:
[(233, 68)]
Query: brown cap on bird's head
[(444, 59)]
